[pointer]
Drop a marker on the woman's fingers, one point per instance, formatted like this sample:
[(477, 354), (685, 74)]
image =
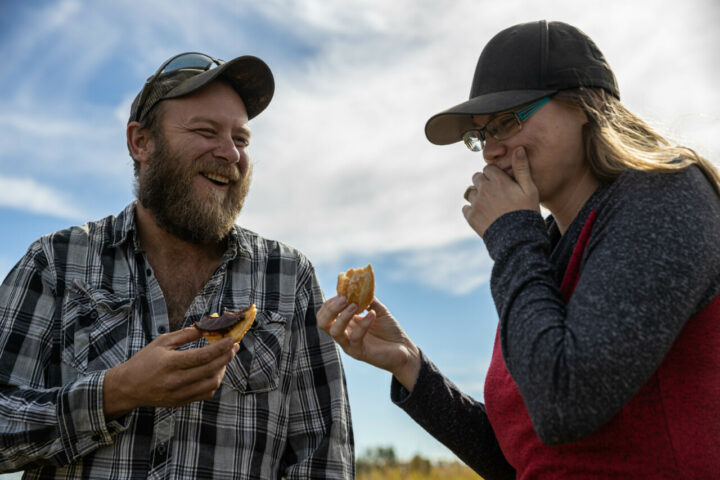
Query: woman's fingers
[(359, 328), (329, 311), (470, 192), (378, 307), (338, 329)]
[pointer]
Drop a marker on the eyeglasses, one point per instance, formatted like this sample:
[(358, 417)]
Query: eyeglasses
[(189, 60), (502, 127)]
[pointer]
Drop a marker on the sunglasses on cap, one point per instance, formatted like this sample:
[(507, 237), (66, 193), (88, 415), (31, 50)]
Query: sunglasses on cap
[(502, 126), (183, 61)]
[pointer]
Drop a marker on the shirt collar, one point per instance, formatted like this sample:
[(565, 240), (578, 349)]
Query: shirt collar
[(124, 228), (239, 242)]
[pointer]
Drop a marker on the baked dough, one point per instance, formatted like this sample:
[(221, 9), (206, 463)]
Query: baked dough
[(358, 286), (230, 324)]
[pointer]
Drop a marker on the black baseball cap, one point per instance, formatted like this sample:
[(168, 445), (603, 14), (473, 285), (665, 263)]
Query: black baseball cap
[(187, 72), (521, 64)]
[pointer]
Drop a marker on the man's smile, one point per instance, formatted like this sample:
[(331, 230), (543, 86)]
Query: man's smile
[(217, 179)]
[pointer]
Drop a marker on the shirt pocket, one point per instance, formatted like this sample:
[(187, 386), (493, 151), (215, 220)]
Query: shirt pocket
[(256, 366), (95, 325)]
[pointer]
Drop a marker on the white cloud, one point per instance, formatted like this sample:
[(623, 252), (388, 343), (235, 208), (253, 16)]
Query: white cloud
[(456, 268), (343, 142), (28, 195), (88, 142), (342, 162), (38, 126)]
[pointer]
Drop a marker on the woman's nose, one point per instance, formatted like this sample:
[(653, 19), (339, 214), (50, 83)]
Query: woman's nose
[(493, 151)]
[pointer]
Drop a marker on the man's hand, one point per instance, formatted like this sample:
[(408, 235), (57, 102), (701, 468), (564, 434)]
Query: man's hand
[(161, 376), (494, 193)]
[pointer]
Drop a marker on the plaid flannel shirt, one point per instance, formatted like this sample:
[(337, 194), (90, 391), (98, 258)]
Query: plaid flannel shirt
[(84, 299)]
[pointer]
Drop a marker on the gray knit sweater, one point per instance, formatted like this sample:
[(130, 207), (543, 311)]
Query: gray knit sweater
[(652, 262)]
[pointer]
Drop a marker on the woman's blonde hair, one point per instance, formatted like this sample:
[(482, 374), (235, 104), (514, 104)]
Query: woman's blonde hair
[(616, 139)]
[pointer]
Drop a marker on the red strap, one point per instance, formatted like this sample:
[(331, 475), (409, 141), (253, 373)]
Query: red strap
[(572, 273)]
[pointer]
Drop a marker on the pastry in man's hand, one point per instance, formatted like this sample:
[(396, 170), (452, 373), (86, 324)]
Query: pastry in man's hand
[(230, 324), (358, 286)]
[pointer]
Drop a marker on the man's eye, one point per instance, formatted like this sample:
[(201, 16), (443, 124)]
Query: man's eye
[(205, 132), (244, 142)]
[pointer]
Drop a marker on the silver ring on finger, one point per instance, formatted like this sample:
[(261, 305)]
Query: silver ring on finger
[(468, 190)]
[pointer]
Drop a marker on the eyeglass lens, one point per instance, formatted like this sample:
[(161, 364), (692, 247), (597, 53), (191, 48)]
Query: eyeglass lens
[(503, 126), (474, 140), (189, 60), (500, 128), (184, 60)]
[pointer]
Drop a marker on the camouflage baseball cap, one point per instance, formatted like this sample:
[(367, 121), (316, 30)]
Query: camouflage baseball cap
[(184, 73)]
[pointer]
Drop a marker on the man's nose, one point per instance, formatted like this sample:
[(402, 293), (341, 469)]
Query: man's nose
[(227, 150)]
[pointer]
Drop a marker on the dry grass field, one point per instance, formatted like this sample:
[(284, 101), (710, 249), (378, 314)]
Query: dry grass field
[(453, 471), (380, 464)]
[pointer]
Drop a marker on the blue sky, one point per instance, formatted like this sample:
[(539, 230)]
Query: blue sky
[(343, 171)]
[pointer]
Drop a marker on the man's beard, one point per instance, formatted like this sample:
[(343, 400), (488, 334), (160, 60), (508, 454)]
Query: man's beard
[(166, 189)]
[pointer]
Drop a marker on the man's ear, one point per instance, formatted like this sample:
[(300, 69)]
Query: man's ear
[(139, 142)]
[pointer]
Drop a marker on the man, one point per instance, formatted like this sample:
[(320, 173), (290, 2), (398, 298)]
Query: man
[(102, 374)]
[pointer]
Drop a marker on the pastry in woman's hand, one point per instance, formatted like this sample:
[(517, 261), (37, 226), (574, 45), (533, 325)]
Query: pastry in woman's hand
[(358, 286)]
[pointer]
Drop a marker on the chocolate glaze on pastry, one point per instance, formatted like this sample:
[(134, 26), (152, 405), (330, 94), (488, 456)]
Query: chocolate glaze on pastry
[(220, 324), (230, 324)]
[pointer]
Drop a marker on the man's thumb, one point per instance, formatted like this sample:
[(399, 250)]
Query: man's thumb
[(521, 169)]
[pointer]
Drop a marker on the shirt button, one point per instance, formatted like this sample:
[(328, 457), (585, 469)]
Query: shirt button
[(148, 272), (162, 449), (162, 329)]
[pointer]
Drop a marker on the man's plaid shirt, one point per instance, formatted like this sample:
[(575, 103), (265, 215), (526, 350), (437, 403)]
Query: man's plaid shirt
[(84, 299)]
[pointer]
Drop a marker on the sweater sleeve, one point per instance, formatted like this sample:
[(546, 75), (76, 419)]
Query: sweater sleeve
[(454, 419), (651, 264)]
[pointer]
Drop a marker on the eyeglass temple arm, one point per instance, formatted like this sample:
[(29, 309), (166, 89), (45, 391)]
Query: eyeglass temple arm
[(525, 112)]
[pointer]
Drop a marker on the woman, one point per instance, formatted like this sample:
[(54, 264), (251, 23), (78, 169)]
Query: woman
[(606, 362)]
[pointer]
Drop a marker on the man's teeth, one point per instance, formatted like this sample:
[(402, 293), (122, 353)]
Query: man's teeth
[(217, 178)]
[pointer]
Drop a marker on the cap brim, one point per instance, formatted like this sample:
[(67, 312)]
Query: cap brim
[(251, 78), (449, 125)]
